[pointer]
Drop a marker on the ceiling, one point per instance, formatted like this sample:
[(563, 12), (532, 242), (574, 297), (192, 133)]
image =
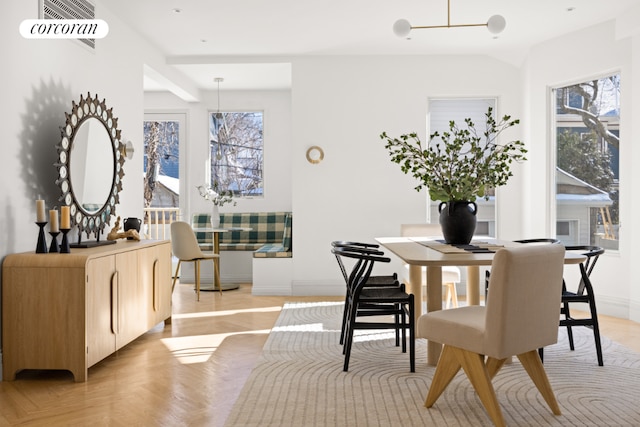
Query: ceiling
[(250, 43)]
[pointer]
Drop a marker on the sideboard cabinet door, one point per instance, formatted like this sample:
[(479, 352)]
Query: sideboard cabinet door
[(102, 293), (131, 308), (155, 274), (43, 318)]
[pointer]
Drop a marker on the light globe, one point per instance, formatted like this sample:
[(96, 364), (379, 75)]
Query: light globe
[(496, 24), (401, 28)]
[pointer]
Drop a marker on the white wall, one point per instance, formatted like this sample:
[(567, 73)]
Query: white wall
[(342, 104), (591, 52), (40, 79)]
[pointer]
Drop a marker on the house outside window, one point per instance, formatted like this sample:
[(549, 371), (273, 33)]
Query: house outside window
[(586, 130), (162, 163)]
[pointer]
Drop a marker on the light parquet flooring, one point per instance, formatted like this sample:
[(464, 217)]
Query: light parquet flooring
[(188, 373)]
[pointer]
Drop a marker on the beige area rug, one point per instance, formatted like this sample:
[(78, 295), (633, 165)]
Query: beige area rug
[(299, 382)]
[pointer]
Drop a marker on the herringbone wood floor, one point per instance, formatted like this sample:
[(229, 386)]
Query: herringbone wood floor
[(189, 373)]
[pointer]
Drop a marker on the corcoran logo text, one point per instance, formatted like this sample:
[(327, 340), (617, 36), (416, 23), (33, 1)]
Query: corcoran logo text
[(64, 28)]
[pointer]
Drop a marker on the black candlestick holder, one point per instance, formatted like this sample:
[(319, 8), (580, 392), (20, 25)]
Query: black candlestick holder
[(54, 241), (64, 247), (41, 246)]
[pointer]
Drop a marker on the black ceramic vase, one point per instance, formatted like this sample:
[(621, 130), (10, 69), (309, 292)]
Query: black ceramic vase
[(132, 224), (458, 221)]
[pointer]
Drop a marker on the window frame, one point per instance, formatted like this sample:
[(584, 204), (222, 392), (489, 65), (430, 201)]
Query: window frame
[(182, 117), (241, 193), (553, 150)]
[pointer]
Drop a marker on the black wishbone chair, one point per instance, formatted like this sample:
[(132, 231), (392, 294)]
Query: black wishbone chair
[(373, 281), (379, 301), (370, 248), (584, 295)]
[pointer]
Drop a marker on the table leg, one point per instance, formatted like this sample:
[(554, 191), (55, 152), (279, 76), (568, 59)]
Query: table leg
[(415, 288), (473, 285), (216, 262), (434, 303), (216, 274)]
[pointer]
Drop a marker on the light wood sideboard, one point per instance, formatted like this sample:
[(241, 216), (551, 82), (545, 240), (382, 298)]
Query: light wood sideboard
[(70, 311)]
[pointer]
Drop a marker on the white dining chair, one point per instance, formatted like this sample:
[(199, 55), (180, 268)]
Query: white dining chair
[(184, 246), (521, 316)]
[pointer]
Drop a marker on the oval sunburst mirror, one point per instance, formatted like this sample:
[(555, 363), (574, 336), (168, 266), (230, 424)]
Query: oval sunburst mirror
[(90, 165)]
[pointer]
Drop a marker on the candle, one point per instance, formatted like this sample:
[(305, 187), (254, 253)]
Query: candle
[(53, 221), (65, 218), (40, 211)]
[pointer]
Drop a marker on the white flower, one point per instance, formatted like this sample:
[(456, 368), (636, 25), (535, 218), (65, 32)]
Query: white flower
[(217, 198)]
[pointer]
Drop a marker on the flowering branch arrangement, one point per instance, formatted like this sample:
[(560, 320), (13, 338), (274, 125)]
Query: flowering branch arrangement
[(217, 197), (464, 164)]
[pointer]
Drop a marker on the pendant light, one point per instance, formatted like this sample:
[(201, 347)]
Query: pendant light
[(220, 124), (496, 24)]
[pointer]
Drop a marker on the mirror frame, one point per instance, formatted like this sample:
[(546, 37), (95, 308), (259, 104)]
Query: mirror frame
[(89, 108)]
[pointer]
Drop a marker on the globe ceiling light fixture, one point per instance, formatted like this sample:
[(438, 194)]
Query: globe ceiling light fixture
[(496, 24), (218, 80)]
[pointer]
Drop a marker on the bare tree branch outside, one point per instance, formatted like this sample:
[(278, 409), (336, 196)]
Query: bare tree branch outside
[(237, 143), (161, 144)]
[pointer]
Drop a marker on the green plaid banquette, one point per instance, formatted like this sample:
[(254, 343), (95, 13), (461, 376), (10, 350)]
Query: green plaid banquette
[(270, 235)]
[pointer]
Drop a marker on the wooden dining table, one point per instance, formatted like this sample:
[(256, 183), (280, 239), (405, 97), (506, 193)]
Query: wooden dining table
[(217, 284), (432, 253)]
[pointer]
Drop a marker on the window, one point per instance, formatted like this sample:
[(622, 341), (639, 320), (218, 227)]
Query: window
[(162, 136), (587, 123), (441, 112), (236, 143)]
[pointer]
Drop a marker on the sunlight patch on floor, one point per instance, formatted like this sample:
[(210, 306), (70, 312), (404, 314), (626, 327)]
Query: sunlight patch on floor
[(311, 327), (199, 348), (313, 304), (373, 335), (224, 312)]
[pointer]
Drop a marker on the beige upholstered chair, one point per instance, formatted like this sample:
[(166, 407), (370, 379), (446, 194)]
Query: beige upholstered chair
[(185, 247), (520, 316), (450, 275)]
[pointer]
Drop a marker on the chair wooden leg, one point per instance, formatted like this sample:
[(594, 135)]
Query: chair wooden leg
[(451, 296), (454, 295), (447, 295), (533, 365), (448, 367), (175, 276), (197, 262), (494, 365), (476, 370)]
